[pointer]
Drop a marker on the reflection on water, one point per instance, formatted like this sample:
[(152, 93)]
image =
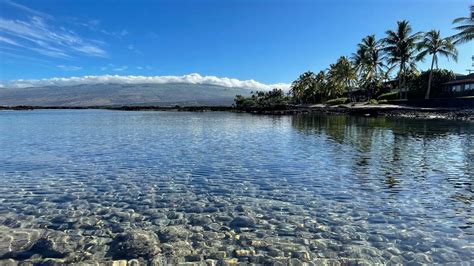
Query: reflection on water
[(96, 185), (418, 148)]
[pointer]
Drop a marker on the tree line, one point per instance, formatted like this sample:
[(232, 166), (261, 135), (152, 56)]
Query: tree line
[(368, 69)]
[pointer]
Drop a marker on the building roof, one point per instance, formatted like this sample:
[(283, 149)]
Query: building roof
[(461, 80)]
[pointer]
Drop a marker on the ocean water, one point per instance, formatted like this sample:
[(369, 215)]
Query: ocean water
[(221, 187)]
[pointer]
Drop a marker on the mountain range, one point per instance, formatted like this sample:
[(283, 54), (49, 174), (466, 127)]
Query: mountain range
[(168, 94)]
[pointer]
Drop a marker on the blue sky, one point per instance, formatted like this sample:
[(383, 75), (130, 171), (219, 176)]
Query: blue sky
[(268, 41)]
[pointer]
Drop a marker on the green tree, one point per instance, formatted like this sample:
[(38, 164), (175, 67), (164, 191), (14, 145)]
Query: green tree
[(437, 78), (275, 98), (304, 85), (432, 44), (466, 29), (341, 77), (316, 92), (400, 46), (241, 102), (321, 85), (369, 62), (359, 60)]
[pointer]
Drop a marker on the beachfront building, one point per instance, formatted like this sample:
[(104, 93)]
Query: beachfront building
[(463, 85)]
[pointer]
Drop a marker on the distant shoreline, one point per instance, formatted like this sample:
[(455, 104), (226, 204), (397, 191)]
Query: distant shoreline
[(463, 114), (122, 108)]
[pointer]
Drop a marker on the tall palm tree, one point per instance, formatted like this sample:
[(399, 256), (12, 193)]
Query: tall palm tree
[(300, 87), (321, 84), (432, 44), (369, 60), (400, 46), (466, 29), (359, 60), (342, 76), (375, 64)]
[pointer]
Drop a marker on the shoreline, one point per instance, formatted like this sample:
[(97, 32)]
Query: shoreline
[(394, 111), (386, 110)]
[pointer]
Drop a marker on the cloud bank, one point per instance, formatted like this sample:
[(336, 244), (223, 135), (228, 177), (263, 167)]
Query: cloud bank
[(116, 79)]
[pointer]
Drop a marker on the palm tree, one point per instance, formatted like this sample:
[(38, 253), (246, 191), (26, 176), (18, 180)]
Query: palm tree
[(321, 84), (375, 64), (369, 61), (359, 60), (401, 48), (300, 87), (433, 44), (315, 92), (466, 29), (341, 76)]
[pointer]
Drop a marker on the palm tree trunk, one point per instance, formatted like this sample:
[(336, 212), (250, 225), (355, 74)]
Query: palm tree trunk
[(400, 82), (427, 96), (405, 89)]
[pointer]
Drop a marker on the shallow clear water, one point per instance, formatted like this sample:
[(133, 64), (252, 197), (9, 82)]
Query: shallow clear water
[(336, 188)]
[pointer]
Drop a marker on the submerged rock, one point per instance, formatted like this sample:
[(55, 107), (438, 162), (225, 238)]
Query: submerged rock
[(47, 249), (200, 220), (240, 208), (135, 244), (43, 248), (13, 241), (173, 234), (218, 255), (243, 253), (243, 221), (23, 244)]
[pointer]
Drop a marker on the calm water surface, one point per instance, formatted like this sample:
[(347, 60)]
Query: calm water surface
[(305, 188)]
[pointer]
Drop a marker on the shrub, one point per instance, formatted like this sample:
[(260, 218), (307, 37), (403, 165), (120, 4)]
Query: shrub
[(337, 101), (373, 102), (388, 96)]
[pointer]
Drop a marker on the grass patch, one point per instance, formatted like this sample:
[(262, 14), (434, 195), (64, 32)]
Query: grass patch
[(388, 96), (337, 101)]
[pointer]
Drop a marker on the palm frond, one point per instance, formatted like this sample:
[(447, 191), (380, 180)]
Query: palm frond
[(462, 20), (466, 30)]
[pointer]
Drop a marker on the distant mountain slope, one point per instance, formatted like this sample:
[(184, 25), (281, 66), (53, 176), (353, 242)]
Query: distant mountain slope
[(121, 94)]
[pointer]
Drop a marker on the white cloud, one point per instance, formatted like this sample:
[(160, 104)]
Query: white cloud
[(122, 68), (51, 52), (17, 55), (37, 33), (69, 68), (95, 26), (113, 68), (9, 41), (191, 78), (26, 9), (132, 48), (123, 33), (117, 34)]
